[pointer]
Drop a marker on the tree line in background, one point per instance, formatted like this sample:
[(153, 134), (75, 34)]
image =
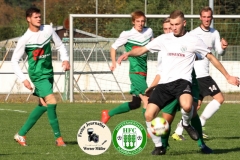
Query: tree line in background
[(13, 22)]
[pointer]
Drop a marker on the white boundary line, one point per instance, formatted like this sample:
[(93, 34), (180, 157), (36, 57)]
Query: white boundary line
[(1, 109)]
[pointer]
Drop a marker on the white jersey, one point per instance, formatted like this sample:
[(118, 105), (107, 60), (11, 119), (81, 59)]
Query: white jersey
[(178, 55), (159, 63), (211, 38)]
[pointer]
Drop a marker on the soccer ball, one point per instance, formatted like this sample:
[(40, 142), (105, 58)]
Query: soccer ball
[(159, 126)]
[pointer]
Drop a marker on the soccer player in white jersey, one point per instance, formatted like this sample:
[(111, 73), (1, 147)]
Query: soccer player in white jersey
[(36, 43), (178, 55), (169, 111), (137, 36), (208, 87)]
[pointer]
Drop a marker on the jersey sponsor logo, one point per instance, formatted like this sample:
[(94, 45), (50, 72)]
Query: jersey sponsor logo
[(39, 54), (44, 56), (133, 47), (176, 54)]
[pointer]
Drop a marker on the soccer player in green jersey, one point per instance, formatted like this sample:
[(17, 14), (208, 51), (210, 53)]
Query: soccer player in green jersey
[(36, 43), (136, 37)]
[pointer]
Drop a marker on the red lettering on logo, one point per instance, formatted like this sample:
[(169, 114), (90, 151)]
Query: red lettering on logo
[(133, 47), (37, 52)]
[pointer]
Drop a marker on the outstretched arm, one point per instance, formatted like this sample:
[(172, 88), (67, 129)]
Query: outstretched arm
[(113, 58), (231, 79), (133, 53)]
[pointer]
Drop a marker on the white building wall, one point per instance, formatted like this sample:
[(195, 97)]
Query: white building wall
[(106, 82)]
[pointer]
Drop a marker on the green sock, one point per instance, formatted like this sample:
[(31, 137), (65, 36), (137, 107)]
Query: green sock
[(196, 123), (32, 119), (165, 138), (143, 112), (53, 120), (120, 109)]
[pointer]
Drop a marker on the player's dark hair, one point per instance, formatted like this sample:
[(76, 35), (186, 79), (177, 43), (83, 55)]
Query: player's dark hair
[(175, 14), (206, 9), (32, 10), (137, 14)]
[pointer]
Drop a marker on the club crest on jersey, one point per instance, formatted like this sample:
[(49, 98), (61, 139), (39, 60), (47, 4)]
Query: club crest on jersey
[(184, 49)]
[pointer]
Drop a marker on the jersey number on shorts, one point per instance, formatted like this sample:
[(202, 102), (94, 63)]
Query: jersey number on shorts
[(213, 88)]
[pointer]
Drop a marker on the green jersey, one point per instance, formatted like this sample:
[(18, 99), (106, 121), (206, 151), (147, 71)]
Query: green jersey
[(37, 46), (132, 39)]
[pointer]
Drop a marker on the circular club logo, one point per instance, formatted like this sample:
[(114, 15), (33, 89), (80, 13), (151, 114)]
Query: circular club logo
[(94, 137), (129, 137)]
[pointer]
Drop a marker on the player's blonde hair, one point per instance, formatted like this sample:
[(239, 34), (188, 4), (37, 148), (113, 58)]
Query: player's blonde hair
[(166, 20), (137, 14), (205, 9)]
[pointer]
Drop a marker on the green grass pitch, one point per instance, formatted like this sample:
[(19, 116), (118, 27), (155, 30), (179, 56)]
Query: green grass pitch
[(223, 129)]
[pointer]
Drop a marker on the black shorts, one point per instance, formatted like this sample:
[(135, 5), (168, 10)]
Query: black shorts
[(207, 87), (163, 94)]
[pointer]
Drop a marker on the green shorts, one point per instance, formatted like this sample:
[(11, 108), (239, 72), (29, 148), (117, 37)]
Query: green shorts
[(174, 106), (43, 87), (138, 84)]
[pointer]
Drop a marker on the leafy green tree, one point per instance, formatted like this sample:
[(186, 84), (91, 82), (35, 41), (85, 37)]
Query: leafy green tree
[(24, 4)]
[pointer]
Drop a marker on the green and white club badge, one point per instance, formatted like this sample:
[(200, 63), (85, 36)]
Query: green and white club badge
[(94, 137), (129, 137)]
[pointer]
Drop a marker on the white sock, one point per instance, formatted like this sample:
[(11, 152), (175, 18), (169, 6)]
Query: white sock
[(179, 129), (186, 117), (209, 111), (156, 140)]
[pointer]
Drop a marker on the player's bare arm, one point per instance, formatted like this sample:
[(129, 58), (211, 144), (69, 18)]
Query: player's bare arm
[(155, 81), (231, 79), (149, 90), (133, 53), (113, 58)]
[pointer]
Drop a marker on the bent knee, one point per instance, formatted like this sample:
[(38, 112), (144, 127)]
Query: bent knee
[(221, 100), (149, 117)]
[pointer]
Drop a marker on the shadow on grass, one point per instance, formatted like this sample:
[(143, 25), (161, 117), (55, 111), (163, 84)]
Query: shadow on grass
[(228, 138), (215, 151), (223, 151), (215, 138), (5, 154), (177, 153), (71, 142)]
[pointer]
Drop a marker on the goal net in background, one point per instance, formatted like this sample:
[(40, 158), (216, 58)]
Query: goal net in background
[(91, 79), (90, 75)]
